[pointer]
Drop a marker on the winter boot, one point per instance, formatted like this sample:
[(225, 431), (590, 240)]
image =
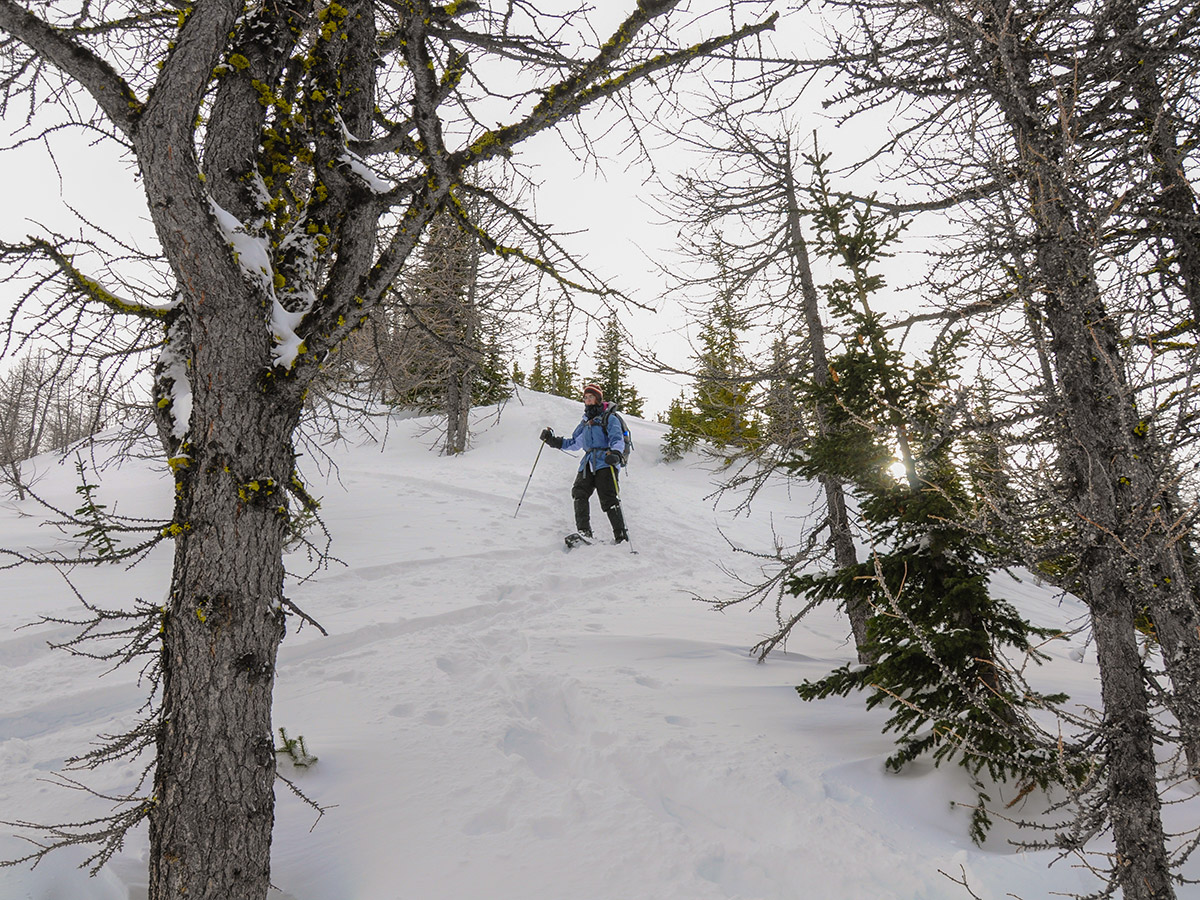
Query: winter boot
[(617, 519), (583, 517)]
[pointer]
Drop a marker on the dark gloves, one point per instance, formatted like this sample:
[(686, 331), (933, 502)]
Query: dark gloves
[(551, 439), (612, 457)]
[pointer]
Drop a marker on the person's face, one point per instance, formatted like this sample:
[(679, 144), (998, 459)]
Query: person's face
[(591, 400)]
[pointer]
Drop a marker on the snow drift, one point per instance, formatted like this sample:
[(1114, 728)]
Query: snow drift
[(497, 718)]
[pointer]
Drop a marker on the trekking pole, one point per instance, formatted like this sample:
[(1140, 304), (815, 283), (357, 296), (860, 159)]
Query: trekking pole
[(535, 462), (617, 491)]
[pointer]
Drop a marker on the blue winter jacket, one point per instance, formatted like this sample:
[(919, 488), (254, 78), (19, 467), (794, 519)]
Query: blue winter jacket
[(591, 435)]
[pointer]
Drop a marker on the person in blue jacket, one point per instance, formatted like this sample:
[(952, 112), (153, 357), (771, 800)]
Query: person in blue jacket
[(601, 439)]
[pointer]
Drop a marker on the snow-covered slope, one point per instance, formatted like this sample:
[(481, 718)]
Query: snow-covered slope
[(498, 718)]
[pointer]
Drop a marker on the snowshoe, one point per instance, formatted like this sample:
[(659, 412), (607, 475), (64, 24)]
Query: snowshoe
[(575, 538)]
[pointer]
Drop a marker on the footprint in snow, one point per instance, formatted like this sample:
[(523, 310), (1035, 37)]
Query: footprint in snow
[(490, 821)]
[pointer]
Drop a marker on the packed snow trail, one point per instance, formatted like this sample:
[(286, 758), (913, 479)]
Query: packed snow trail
[(497, 718)]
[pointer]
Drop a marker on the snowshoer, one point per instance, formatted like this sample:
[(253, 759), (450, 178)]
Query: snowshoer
[(601, 437)]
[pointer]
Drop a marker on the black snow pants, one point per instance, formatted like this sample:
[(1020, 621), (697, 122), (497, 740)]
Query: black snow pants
[(604, 483)]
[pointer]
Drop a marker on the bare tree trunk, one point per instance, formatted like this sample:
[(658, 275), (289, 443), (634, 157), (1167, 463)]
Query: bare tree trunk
[(1141, 867), (1110, 486), (1113, 490), (214, 782), (1110, 454), (12, 476), (1177, 215), (210, 827), (844, 552), (458, 408), (463, 313)]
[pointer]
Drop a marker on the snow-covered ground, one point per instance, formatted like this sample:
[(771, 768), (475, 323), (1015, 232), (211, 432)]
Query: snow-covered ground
[(498, 718)]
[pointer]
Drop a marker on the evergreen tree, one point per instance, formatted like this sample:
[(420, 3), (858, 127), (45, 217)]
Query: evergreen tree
[(435, 329), (938, 638), (437, 344), (785, 425), (492, 383), (562, 373), (552, 371), (537, 376), (611, 366), (723, 397), (683, 433), (721, 409)]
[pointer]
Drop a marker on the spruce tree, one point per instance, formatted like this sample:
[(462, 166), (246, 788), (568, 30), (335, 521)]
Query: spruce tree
[(437, 347), (683, 433), (493, 382), (938, 638), (785, 423), (552, 371), (537, 375), (723, 401), (562, 373), (721, 409), (611, 365)]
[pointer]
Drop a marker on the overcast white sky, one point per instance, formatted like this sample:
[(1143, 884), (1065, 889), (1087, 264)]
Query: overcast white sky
[(620, 227), (609, 210)]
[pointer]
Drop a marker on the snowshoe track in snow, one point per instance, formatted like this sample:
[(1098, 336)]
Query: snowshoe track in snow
[(496, 719)]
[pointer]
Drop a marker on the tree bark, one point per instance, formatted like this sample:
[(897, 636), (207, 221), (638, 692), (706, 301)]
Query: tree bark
[(210, 830), (1110, 488), (210, 825), (1107, 482), (844, 553), (1141, 866), (462, 293), (1108, 451)]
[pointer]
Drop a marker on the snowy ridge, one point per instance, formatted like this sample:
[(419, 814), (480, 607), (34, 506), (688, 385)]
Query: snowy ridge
[(497, 718)]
